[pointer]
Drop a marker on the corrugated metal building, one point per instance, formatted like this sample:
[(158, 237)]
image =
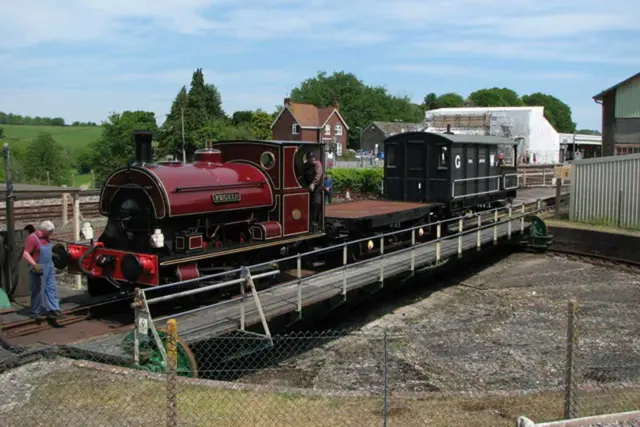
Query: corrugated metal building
[(605, 191), (621, 117), (526, 125)]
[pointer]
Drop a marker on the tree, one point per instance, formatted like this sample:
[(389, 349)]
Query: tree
[(1, 133), (359, 103), (46, 159), (495, 97), (450, 100), (261, 125), (431, 102), (588, 132), (116, 147), (240, 117), (557, 112), (202, 108)]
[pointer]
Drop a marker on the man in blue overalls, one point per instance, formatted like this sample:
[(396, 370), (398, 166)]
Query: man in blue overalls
[(42, 274)]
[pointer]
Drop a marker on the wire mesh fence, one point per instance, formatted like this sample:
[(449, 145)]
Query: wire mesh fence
[(425, 375)]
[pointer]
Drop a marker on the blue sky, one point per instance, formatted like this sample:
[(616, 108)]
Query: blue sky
[(81, 59)]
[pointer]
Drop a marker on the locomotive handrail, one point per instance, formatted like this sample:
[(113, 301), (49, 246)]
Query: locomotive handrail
[(220, 187)]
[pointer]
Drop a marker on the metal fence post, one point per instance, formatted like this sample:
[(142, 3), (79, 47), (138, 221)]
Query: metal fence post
[(385, 368), (495, 227), (344, 273), (438, 234), (522, 219), (382, 261), (558, 194), (509, 225), (299, 271), (460, 238), (570, 398), (479, 234), (172, 363), (413, 250)]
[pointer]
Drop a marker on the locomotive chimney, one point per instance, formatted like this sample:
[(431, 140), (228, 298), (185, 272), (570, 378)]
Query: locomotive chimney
[(143, 140)]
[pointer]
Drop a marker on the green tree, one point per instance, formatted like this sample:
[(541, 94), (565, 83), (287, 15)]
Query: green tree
[(557, 112), (240, 117), (430, 102), (588, 132), (359, 103), (450, 100), (46, 159), (261, 125), (116, 147), (495, 97), (1, 133)]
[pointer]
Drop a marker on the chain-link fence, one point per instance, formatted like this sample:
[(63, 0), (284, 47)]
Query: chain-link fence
[(476, 374)]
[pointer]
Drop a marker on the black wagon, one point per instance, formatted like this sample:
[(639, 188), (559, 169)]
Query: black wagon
[(464, 172)]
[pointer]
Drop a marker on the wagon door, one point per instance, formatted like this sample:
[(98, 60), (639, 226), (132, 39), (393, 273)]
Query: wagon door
[(394, 188), (416, 171)]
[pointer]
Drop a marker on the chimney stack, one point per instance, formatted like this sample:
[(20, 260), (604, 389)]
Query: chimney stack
[(287, 102), (143, 140)]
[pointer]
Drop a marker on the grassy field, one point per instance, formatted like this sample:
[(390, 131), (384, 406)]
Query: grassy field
[(84, 396), (74, 138)]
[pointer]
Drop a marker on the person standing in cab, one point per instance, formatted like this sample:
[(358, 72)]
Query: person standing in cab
[(313, 179), (500, 161), (38, 252)]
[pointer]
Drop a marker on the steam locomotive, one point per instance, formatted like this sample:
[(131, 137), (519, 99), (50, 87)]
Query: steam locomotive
[(243, 203)]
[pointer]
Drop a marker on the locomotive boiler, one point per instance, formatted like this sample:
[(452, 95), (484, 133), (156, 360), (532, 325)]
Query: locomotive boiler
[(235, 204)]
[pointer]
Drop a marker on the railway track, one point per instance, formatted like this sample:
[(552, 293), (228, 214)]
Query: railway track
[(74, 315), (595, 258)]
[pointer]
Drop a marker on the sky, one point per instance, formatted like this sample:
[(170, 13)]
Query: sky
[(82, 59)]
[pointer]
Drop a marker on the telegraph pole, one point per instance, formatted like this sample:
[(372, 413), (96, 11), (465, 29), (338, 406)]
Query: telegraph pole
[(184, 154)]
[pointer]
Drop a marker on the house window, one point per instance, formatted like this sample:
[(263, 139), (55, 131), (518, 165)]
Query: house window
[(443, 158), (295, 129), (327, 129), (338, 129), (391, 156)]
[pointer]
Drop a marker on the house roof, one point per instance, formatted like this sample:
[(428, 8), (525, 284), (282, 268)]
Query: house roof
[(308, 116), (599, 96), (391, 128)]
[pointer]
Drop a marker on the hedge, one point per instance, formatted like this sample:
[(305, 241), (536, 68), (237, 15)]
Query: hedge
[(358, 180)]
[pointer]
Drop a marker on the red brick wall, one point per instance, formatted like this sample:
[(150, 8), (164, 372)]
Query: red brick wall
[(281, 130)]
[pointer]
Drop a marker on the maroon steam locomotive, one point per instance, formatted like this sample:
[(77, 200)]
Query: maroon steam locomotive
[(238, 203)]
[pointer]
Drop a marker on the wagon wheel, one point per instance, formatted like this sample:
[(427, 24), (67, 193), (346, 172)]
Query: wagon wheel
[(151, 359)]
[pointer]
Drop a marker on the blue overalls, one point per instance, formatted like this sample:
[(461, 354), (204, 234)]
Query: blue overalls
[(44, 295)]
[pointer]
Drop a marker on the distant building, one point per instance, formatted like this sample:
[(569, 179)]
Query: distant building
[(306, 122), (586, 146), (534, 137), (621, 117), (377, 132)]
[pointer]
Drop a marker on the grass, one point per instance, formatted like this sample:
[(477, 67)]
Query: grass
[(81, 396), (74, 138), (563, 221)]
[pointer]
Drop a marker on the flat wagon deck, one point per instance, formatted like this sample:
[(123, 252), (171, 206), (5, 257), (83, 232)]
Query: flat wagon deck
[(378, 213)]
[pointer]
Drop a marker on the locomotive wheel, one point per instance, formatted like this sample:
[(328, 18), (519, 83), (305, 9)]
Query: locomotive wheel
[(151, 359)]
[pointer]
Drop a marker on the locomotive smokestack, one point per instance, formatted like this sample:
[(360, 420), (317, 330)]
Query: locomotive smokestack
[(143, 140)]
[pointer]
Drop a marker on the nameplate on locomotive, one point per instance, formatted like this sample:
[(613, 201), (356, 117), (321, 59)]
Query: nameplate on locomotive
[(226, 198)]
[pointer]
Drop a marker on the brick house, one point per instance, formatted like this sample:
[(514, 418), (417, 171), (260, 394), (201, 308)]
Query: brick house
[(306, 122), (621, 117)]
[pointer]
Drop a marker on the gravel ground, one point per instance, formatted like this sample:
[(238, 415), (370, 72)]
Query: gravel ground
[(503, 329)]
